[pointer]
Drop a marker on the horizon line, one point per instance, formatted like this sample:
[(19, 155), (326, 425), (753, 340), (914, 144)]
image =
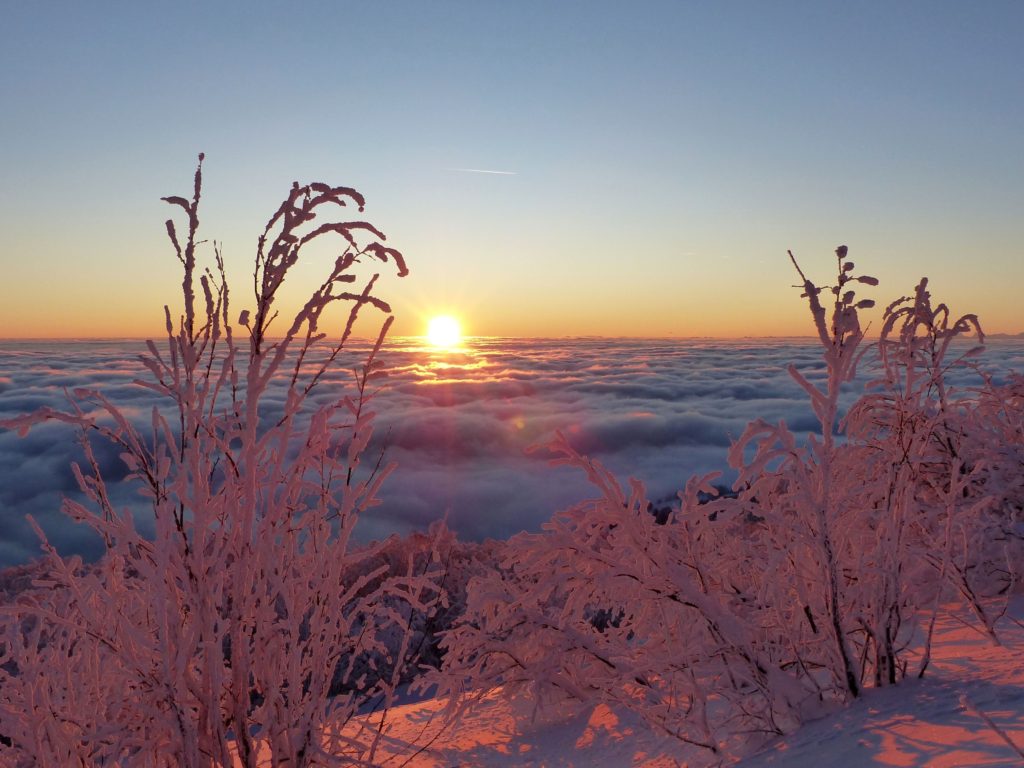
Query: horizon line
[(737, 337)]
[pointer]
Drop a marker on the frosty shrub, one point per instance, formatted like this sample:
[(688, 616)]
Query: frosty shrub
[(219, 636), (743, 615), (454, 563)]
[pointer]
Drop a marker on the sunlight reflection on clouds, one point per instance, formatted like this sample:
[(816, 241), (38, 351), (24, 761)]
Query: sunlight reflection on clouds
[(458, 422)]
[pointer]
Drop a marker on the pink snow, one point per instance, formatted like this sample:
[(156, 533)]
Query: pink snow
[(916, 723)]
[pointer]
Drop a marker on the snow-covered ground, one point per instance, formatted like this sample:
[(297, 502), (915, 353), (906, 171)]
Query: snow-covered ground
[(937, 721)]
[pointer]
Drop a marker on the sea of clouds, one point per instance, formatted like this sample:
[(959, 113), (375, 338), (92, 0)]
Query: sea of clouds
[(459, 423)]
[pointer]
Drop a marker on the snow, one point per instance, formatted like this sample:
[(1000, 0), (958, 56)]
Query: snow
[(499, 730), (920, 722)]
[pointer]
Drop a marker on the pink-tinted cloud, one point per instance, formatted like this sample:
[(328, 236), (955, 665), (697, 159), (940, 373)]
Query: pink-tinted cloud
[(458, 424)]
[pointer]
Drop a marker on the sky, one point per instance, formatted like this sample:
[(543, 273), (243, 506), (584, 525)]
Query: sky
[(657, 158)]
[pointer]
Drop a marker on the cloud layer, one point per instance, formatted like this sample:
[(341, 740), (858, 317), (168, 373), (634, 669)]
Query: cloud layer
[(458, 423)]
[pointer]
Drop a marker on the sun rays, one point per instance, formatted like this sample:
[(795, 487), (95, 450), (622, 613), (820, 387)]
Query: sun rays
[(444, 332)]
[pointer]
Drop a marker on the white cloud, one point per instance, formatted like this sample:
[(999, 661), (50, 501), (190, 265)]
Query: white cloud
[(459, 425)]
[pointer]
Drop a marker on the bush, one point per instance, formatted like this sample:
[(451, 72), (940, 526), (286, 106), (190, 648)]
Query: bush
[(747, 613), (220, 635)]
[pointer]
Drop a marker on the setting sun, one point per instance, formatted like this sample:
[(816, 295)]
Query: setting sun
[(444, 331)]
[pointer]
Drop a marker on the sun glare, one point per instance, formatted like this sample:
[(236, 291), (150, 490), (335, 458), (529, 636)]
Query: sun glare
[(444, 331)]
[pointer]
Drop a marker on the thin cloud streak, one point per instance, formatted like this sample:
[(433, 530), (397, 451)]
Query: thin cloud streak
[(484, 170)]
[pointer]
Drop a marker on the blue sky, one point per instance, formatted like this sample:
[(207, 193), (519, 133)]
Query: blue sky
[(663, 156)]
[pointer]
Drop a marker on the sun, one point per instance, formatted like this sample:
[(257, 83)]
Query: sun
[(444, 331)]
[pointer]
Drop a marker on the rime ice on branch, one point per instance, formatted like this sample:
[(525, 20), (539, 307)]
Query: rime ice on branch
[(738, 617), (247, 625)]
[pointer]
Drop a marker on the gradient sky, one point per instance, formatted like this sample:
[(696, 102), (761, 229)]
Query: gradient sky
[(660, 156)]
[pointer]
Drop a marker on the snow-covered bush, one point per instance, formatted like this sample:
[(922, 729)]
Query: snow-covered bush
[(994, 447), (219, 636), (454, 563), (909, 449), (747, 613), (681, 637)]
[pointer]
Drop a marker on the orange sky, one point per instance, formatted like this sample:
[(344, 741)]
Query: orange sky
[(592, 174)]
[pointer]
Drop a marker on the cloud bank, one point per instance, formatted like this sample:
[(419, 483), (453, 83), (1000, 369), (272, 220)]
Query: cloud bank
[(458, 423)]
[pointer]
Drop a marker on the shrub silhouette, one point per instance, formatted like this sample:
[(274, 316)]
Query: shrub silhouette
[(219, 636), (747, 613)]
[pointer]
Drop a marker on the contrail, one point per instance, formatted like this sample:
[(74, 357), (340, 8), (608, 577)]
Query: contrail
[(482, 170)]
